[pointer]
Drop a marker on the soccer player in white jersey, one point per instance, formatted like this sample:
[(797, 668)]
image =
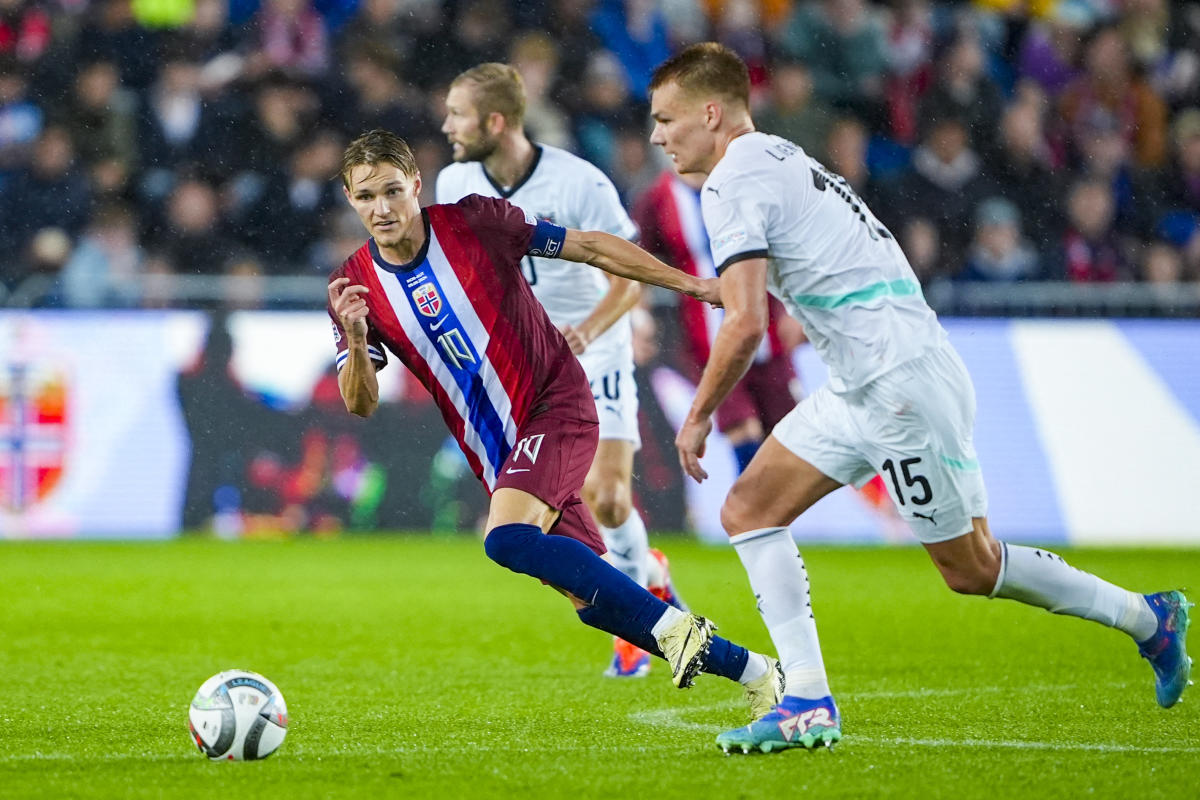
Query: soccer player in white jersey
[(899, 401), (485, 110)]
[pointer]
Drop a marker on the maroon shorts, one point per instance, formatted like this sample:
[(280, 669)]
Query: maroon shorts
[(550, 461), (764, 393)]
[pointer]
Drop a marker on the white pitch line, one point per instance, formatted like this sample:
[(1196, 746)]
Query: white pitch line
[(674, 718)]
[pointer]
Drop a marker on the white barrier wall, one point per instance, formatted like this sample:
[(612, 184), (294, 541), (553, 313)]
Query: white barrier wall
[(1088, 431)]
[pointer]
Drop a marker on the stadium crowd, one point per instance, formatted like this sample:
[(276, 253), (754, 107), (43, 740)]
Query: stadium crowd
[(999, 140)]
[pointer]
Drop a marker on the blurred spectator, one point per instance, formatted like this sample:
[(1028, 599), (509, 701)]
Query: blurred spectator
[(1020, 171), (636, 33), (1177, 188), (738, 24), (1050, 48), (943, 185), (634, 165), (606, 109), (105, 269), (244, 284), (846, 155), (1145, 25), (191, 237), (922, 245), (910, 62), (177, 129), (535, 56), (1162, 264), (381, 25), (1089, 251), (283, 113), (20, 119), (569, 25), (793, 112), (998, 252), (1110, 84), (381, 97), (963, 89), (845, 47), (290, 37), (49, 193), (112, 34), (25, 31), (478, 35), (102, 115), (287, 222)]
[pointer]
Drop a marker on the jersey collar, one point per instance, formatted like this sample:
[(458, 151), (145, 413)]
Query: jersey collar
[(507, 193), (418, 259)]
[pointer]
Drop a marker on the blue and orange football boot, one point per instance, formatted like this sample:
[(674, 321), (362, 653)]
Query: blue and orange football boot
[(629, 660), (1166, 650)]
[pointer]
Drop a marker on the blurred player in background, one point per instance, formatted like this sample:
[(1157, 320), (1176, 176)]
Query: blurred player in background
[(899, 401), (485, 111), (668, 216), (441, 289)]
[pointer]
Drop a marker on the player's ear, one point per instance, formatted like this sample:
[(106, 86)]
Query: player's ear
[(416, 183), (346, 192), (713, 114)]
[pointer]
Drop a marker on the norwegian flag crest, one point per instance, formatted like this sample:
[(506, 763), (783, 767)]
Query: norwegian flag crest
[(428, 301)]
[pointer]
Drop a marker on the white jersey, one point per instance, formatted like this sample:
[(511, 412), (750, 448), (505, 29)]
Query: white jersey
[(571, 192), (829, 260)]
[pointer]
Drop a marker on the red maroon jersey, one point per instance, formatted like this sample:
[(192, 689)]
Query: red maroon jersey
[(668, 214), (463, 319)]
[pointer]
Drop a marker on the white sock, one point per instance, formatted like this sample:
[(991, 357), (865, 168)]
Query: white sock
[(756, 666), (628, 546), (780, 585), (669, 618), (1041, 578)]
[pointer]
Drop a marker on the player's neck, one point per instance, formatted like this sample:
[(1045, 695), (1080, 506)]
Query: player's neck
[(743, 126), (406, 249), (511, 160)]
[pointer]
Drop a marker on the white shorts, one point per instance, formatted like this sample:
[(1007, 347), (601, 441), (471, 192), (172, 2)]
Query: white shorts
[(610, 375), (913, 425)]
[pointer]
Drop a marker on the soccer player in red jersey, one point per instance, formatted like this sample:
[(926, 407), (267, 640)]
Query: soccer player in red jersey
[(441, 289)]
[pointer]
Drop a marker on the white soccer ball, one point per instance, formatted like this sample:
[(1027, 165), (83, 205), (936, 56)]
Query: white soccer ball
[(238, 716)]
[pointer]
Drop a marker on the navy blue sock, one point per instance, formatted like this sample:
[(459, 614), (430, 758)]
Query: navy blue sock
[(743, 453), (618, 605), (726, 659)]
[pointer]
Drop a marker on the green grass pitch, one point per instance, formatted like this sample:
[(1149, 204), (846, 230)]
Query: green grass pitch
[(413, 667)]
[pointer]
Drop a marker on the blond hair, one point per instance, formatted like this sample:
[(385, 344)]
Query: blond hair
[(378, 147), (704, 69), (498, 89)]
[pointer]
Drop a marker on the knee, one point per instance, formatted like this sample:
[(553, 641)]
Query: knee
[(977, 577), (967, 583), (509, 545), (737, 514), (609, 502)]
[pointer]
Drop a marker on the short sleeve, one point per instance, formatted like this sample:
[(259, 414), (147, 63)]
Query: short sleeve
[(342, 344), (736, 222), (512, 230)]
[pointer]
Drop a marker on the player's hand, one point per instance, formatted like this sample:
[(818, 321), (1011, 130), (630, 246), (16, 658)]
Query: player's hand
[(576, 339), (350, 306), (690, 443), (708, 290)]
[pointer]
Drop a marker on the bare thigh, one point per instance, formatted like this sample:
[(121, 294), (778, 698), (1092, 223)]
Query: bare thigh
[(776, 487)]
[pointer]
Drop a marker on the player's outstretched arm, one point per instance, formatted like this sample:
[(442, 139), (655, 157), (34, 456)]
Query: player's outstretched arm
[(744, 288), (357, 381), (625, 259)]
